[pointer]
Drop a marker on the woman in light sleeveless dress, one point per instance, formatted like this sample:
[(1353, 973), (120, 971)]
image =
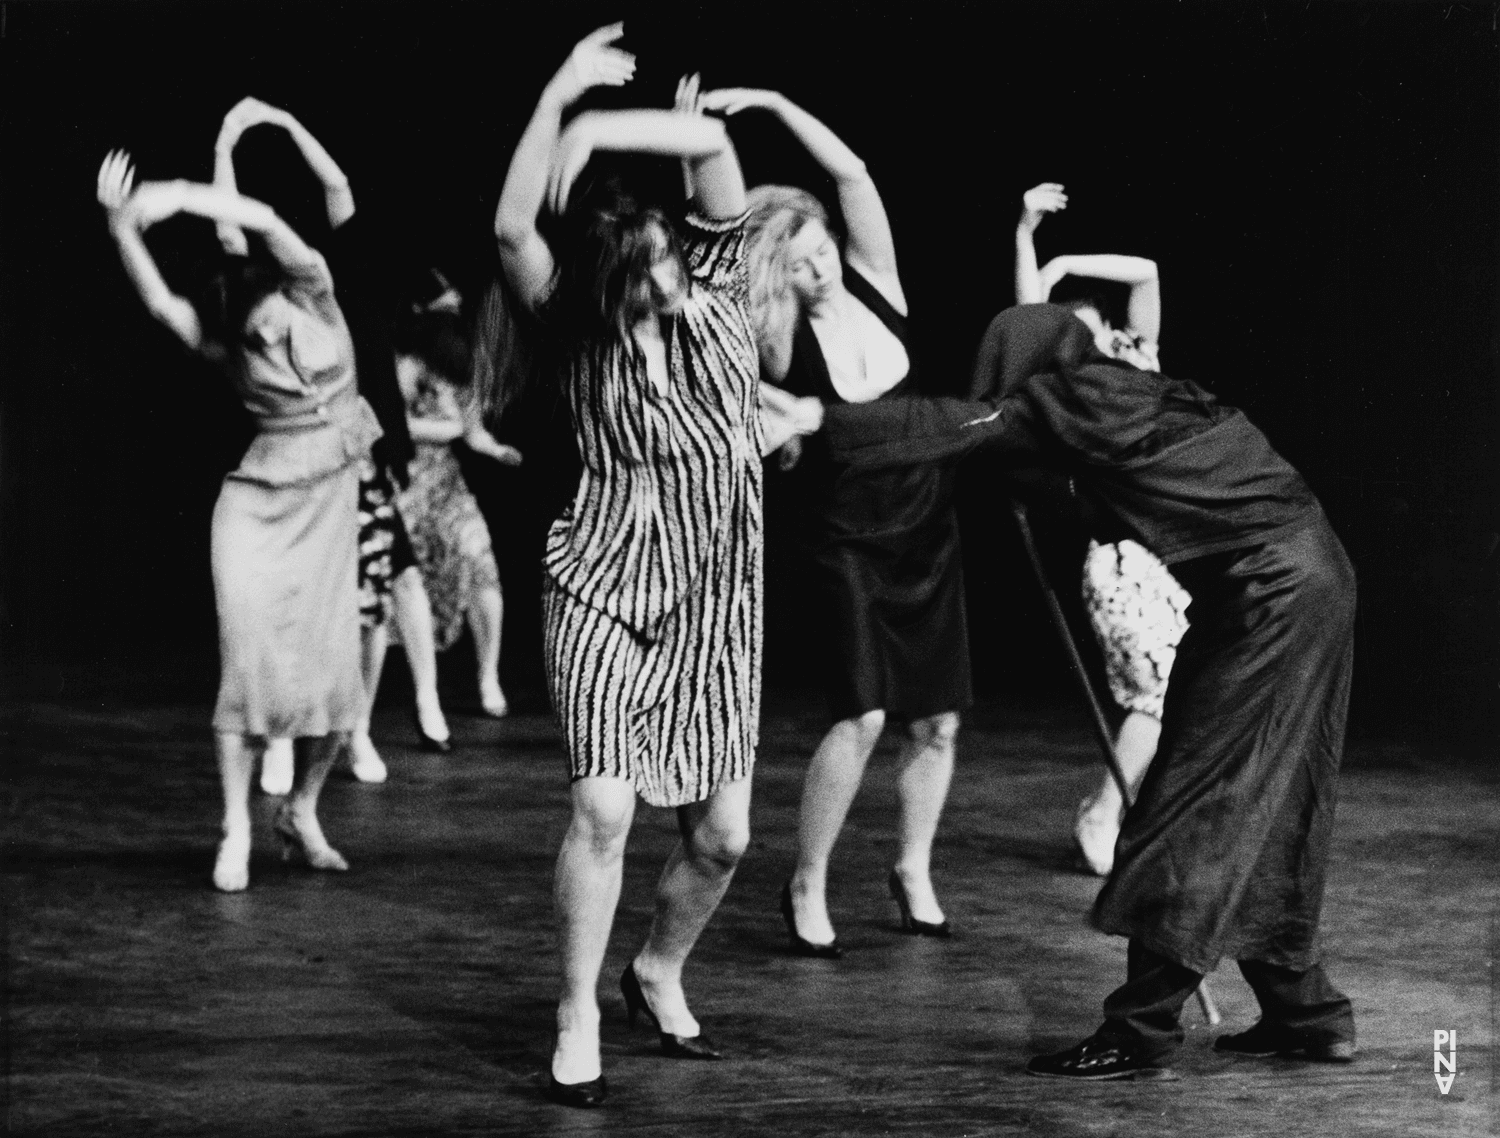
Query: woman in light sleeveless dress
[(284, 537)]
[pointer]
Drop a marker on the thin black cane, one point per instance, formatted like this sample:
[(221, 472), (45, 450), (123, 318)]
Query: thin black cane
[(1101, 724)]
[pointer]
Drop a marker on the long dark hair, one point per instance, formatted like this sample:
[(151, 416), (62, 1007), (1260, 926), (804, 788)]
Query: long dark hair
[(235, 286), (607, 247)]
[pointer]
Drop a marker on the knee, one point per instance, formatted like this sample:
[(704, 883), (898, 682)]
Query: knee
[(865, 729), (935, 732), (722, 844), (603, 830)]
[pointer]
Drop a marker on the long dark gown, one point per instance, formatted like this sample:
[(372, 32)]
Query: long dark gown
[(885, 550), (1225, 850)]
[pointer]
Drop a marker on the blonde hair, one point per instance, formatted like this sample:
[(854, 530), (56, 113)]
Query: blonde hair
[(777, 214)]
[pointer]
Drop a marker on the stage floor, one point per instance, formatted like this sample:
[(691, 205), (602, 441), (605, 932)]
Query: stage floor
[(414, 995)]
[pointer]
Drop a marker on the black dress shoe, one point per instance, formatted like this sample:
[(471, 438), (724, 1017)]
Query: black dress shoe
[(909, 923), (1275, 1039), (1098, 1057), (800, 947), (589, 1094), (672, 1046)]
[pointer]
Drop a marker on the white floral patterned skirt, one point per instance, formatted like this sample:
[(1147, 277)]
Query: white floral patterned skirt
[(1138, 611)]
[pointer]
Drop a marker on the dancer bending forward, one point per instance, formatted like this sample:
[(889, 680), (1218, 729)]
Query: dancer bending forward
[(285, 528), (1135, 605), (652, 601), (884, 545), (1225, 850)]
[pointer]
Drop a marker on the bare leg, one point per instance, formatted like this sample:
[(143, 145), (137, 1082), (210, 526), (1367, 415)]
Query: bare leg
[(715, 834), (586, 891), (922, 786), (277, 767), (833, 776), (413, 615), (1099, 815), (364, 759), (486, 615), (236, 768), (297, 819)]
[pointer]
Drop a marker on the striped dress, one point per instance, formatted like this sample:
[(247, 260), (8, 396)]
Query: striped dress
[(652, 606)]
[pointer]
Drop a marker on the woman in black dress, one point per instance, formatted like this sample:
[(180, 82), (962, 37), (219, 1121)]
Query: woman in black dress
[(831, 323)]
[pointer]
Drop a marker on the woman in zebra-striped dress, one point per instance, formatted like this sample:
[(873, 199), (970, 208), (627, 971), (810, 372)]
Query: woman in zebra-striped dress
[(652, 600)]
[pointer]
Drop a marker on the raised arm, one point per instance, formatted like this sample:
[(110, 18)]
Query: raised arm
[(524, 254), (117, 195), (703, 143), (1036, 205), (131, 214), (337, 197), (1139, 273), (871, 247)]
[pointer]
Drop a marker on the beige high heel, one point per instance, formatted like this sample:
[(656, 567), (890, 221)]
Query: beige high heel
[(313, 846)]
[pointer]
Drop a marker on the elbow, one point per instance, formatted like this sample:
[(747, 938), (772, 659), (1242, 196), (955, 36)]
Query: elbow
[(510, 232), (513, 227), (714, 137), (853, 173)]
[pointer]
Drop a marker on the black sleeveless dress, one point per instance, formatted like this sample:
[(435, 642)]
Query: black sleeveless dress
[(886, 559)]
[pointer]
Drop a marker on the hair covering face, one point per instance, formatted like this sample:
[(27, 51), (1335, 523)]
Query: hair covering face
[(1025, 340)]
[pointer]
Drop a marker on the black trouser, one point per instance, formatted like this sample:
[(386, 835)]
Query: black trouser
[(1146, 1007)]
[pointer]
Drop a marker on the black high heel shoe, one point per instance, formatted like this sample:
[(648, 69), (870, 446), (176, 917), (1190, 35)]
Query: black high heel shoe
[(672, 1046), (589, 1094), (909, 923), (426, 742), (800, 947)]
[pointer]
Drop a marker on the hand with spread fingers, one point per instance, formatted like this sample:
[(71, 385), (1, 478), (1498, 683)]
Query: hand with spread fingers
[(116, 183)]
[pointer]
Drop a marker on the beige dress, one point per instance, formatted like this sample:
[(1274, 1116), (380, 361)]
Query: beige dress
[(286, 526)]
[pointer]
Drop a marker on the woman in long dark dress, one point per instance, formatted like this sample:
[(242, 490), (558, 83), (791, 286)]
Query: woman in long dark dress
[(652, 595), (284, 538), (832, 324), (1225, 850)]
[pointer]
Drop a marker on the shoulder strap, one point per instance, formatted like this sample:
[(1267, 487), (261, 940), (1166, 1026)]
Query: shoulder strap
[(873, 299)]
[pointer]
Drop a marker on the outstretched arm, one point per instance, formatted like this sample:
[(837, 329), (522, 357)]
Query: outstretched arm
[(1138, 272), (524, 254), (871, 246), (1037, 204)]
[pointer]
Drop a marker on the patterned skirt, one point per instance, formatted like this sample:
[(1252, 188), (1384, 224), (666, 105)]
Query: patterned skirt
[(676, 718), (1138, 612), (449, 537), (384, 549)]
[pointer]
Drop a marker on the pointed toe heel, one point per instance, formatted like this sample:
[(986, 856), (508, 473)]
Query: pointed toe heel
[(672, 1046), (313, 848), (801, 947), (585, 1095), (434, 746), (909, 923)]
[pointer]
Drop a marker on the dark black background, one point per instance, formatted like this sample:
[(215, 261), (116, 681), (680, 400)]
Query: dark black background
[(1318, 181)]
